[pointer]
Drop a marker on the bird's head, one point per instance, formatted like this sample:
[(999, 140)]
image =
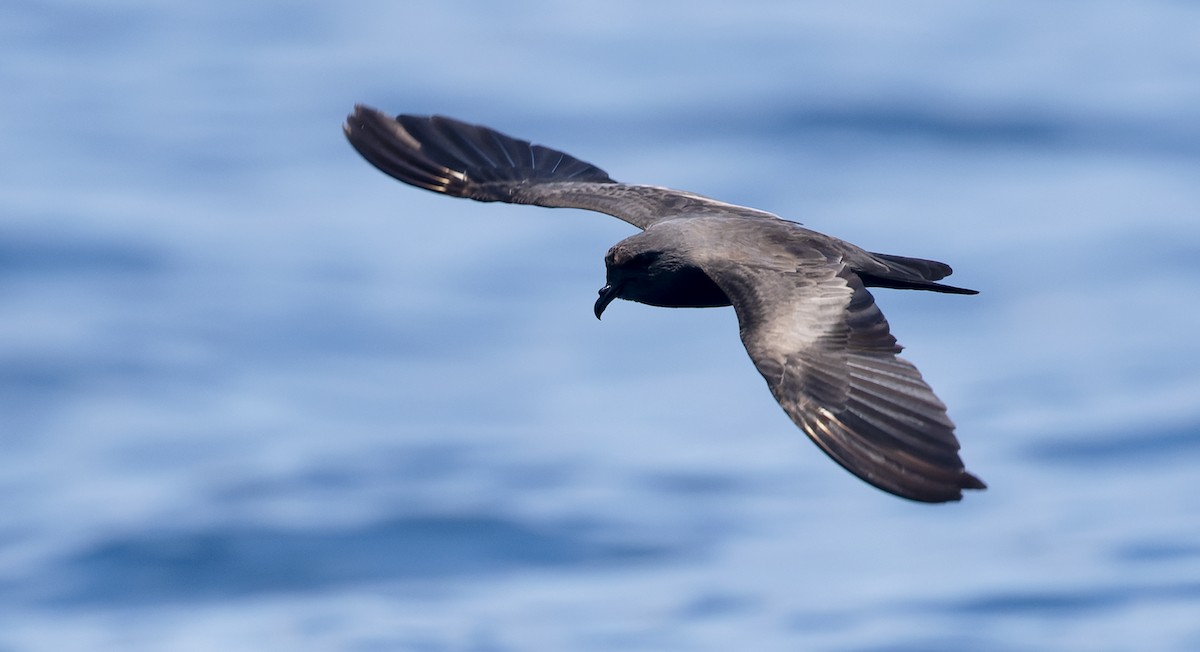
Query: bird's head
[(631, 269)]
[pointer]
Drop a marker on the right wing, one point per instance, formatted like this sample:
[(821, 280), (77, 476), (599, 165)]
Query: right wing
[(829, 358), (464, 160)]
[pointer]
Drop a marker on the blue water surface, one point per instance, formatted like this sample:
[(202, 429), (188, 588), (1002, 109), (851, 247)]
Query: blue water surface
[(255, 395)]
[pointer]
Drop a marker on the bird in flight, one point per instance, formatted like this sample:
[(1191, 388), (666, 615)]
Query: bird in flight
[(804, 312)]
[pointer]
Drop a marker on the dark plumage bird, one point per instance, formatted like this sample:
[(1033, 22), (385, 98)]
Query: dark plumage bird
[(805, 315)]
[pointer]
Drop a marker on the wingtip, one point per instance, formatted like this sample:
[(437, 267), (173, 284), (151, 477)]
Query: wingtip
[(970, 481), (353, 121), (361, 109), (948, 494), (358, 117), (966, 482)]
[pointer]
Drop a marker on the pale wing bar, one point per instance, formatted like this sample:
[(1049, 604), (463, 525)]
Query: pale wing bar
[(464, 160), (830, 360)]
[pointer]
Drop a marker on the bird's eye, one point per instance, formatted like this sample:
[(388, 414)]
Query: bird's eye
[(620, 257), (645, 258)]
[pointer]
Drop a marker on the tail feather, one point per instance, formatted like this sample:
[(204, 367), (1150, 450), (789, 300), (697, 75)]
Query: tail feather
[(905, 273), (929, 270)]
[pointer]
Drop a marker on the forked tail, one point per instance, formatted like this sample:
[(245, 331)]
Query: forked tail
[(904, 273)]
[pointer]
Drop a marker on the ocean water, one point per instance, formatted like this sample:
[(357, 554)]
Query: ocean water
[(254, 395)]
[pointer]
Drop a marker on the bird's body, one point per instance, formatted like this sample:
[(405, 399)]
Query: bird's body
[(805, 316)]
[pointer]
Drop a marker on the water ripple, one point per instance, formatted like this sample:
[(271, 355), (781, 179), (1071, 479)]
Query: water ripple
[(237, 561)]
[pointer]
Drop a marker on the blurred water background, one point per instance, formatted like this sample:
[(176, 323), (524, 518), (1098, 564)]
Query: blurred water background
[(254, 395)]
